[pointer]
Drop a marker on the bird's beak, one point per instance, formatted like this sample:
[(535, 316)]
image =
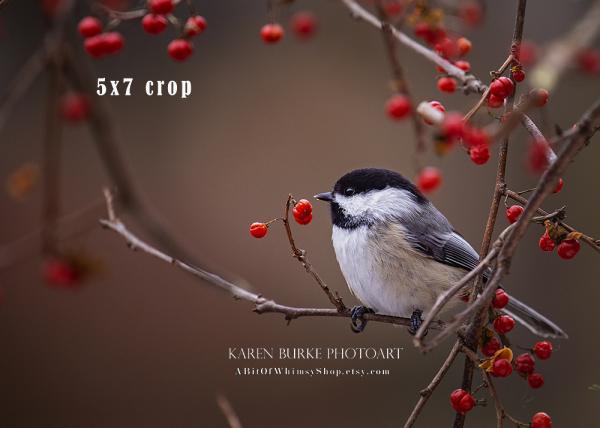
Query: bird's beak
[(326, 196)]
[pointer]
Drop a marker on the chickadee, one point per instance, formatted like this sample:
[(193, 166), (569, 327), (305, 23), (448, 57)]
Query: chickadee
[(398, 253)]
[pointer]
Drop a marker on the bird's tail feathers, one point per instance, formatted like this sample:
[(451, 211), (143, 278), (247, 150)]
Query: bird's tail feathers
[(533, 320)]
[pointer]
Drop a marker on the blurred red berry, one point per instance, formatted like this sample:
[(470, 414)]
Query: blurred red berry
[(538, 156), (541, 420), (303, 212), (195, 25), (463, 45), (453, 126), (180, 49), (258, 230), (461, 400), (161, 7), (500, 299), (518, 75), (271, 33), (494, 101), (304, 24), (89, 26), (589, 61), (422, 29), (60, 273), (535, 380), (503, 324), (559, 185), (541, 97), (446, 84), (471, 13), (154, 24), (463, 65), (95, 46), (527, 53), (490, 347), (74, 107), (568, 249), (429, 179), (502, 368), (436, 105), (513, 213), (113, 42), (546, 243), (398, 107), (474, 137), (446, 48), (479, 154), (543, 350), (392, 7), (525, 363), (502, 87)]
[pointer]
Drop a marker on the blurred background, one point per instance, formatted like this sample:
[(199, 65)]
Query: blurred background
[(142, 344)]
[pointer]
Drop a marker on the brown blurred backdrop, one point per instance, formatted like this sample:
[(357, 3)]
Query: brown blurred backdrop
[(143, 344)]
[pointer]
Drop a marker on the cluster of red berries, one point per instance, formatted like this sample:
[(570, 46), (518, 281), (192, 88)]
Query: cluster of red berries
[(500, 89), (302, 212), (303, 24), (98, 43), (450, 50), (568, 246), (462, 401)]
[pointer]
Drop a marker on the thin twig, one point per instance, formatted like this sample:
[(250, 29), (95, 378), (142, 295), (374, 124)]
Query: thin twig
[(228, 411)]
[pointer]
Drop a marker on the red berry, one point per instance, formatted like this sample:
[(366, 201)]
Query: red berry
[(429, 179), (304, 24), (180, 49), (154, 24), (494, 101), (461, 401), (60, 273), (503, 324), (422, 30), (538, 156), (514, 212), (463, 45), (436, 105), (541, 97), (500, 299), (525, 363), (302, 212), (559, 186), (502, 87), (258, 230), (546, 243), (543, 350), (535, 380), (161, 7), (392, 7), (195, 25), (446, 84), (589, 61), (568, 249), (89, 26), (471, 13), (271, 33), (474, 137), (479, 154), (463, 65), (446, 48), (95, 46), (113, 42), (398, 107), (490, 347), (541, 420), (453, 126), (502, 368), (74, 107), (518, 75), (527, 53)]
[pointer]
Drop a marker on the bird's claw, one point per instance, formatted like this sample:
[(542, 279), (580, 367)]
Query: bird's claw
[(358, 322), (416, 320)]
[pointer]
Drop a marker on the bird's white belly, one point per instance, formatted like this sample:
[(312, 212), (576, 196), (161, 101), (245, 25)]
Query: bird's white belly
[(386, 274)]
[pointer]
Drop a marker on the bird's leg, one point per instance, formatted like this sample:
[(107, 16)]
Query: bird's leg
[(416, 320), (358, 322)]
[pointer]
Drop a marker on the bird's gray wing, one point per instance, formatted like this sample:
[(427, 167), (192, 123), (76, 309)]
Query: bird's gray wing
[(446, 247)]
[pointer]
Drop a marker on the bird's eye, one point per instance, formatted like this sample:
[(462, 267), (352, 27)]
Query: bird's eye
[(349, 191)]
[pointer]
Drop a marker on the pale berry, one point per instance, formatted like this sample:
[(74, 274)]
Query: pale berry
[(154, 24), (429, 179), (258, 230), (89, 26), (446, 84), (503, 324), (502, 87), (502, 368), (568, 249), (525, 363), (535, 380), (500, 299), (398, 107), (180, 49), (436, 105), (304, 24), (514, 212), (546, 243), (543, 350), (195, 25), (271, 33), (161, 7), (541, 420)]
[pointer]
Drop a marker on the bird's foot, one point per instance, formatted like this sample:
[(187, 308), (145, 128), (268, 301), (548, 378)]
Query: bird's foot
[(416, 320), (358, 322)]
